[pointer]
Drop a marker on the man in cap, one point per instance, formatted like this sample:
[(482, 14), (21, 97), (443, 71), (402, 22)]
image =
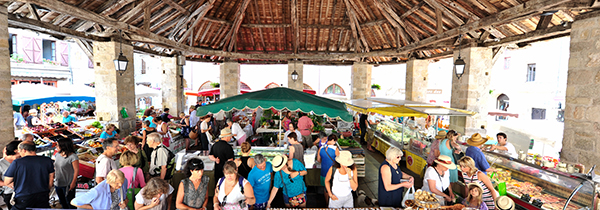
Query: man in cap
[(221, 152)]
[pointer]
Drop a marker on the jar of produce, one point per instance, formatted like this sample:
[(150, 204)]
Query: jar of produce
[(580, 167), (538, 161), (530, 159), (570, 168), (562, 167)]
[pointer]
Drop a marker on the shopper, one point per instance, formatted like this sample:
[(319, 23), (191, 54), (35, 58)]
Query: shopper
[(105, 162), (390, 189), (260, 178), (156, 195), (326, 156), (474, 198), (18, 121), (152, 119), (221, 152), (474, 151), (341, 180), (159, 157), (472, 175), (295, 148), (437, 179), (305, 125), (147, 130), (291, 129), (245, 163), (68, 118), (435, 147), (131, 142), (165, 116), (205, 135), (11, 153), (236, 129), (363, 122), (232, 192), (321, 140), (32, 119), (287, 120), (110, 132), (32, 176), (289, 175), (66, 165), (127, 160), (163, 129), (504, 147), (192, 193), (108, 194), (447, 148)]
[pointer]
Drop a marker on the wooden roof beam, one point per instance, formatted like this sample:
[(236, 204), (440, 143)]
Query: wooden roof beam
[(544, 22), (356, 31), (199, 13), (177, 7), (86, 47), (295, 23), (116, 7), (136, 10), (33, 12), (531, 36), (394, 19), (239, 17), (260, 32), (49, 28), (434, 4)]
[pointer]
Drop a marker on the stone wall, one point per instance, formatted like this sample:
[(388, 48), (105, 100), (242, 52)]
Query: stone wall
[(582, 109), (416, 80), (6, 122), (298, 66), (471, 91), (172, 87), (230, 79), (114, 91), (361, 80)]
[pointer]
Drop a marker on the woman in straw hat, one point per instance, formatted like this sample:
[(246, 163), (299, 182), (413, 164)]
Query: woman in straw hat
[(391, 188), (435, 147), (289, 176), (447, 148), (437, 178), (474, 151), (341, 180), (472, 175)]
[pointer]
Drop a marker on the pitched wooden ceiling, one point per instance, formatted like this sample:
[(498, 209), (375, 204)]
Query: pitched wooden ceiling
[(315, 31)]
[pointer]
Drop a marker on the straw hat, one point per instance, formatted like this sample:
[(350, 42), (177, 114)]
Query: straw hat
[(504, 203), (445, 161), (476, 185), (345, 158), (441, 134), (476, 140), (33, 111), (226, 132), (278, 162)]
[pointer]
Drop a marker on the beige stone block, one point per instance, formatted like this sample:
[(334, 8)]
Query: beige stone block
[(570, 154), (593, 114), (579, 112), (578, 100), (594, 60)]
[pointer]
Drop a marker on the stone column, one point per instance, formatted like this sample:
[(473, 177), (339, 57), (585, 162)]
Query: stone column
[(7, 129), (416, 80), (172, 85), (230, 79), (582, 109), (471, 91), (114, 91), (361, 80), (297, 66)]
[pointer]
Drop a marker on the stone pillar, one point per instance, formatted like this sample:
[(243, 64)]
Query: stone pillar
[(230, 79), (582, 109), (114, 91), (7, 129), (297, 66), (172, 85), (361, 80), (416, 80), (471, 91)]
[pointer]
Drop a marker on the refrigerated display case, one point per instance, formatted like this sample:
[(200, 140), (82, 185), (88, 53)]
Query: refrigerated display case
[(404, 136), (268, 152), (535, 187)]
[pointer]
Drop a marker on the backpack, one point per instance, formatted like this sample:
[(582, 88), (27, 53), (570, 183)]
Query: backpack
[(170, 162), (240, 182)]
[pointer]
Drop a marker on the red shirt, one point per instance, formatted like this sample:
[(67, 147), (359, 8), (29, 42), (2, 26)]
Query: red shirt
[(305, 124)]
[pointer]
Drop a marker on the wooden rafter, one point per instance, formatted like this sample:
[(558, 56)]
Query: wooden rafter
[(412, 9), (260, 32), (544, 22), (394, 19), (49, 28), (116, 7), (533, 35), (177, 7), (33, 12), (137, 10), (86, 47), (439, 18), (331, 23), (239, 17), (356, 31), (295, 28), (147, 16), (206, 7), (199, 12)]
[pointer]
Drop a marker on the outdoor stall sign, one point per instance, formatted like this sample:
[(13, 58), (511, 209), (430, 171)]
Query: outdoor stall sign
[(415, 163)]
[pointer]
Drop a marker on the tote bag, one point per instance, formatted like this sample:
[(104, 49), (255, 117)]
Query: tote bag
[(131, 191)]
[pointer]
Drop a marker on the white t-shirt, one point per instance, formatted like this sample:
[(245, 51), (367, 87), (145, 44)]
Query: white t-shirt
[(161, 206), (220, 115), (104, 165), (236, 193), (341, 184), (237, 130), (431, 174), (512, 152)]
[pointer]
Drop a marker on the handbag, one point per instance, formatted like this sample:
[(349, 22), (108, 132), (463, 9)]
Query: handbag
[(409, 195), (296, 200), (131, 192)]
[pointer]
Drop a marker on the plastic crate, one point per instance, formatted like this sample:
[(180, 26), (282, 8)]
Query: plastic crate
[(86, 170)]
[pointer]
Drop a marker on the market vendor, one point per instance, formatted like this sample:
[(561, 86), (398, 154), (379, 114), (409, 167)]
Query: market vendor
[(32, 119), (504, 147), (110, 132), (151, 119), (68, 118)]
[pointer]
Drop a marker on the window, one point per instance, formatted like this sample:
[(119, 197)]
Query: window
[(531, 72), (143, 66), (49, 50), (12, 44), (334, 89), (506, 63)]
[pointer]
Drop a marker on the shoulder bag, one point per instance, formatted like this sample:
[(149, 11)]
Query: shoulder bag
[(296, 200), (131, 191)]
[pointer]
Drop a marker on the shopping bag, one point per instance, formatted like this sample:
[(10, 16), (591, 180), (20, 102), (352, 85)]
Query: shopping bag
[(131, 191), (409, 195)]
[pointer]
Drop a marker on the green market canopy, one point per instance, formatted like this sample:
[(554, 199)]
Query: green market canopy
[(280, 98)]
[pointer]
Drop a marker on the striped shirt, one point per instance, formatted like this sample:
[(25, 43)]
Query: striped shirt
[(487, 194)]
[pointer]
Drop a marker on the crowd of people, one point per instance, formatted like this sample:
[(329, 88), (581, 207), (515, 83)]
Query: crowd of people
[(29, 116)]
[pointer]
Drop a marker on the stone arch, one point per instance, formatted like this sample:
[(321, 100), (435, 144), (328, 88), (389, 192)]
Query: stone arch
[(502, 102), (334, 89), (272, 85), (205, 85), (307, 87), (244, 86)]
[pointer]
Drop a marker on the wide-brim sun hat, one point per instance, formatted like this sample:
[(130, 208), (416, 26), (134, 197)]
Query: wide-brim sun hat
[(345, 158), (504, 203), (226, 132), (476, 140), (278, 162), (441, 134), (476, 185), (445, 161)]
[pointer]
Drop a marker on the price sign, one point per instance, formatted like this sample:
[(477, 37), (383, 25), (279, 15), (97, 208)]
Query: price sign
[(415, 163)]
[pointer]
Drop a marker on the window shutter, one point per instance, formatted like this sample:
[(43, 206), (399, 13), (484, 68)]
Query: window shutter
[(26, 48), (37, 50), (62, 52)]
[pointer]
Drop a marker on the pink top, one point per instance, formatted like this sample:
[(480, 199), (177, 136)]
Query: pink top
[(139, 179), (304, 125)]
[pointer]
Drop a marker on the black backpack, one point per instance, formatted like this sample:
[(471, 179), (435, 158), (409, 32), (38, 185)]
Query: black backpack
[(170, 162)]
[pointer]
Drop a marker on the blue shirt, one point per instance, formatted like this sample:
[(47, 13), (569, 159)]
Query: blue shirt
[(31, 175), (69, 118), (291, 188), (105, 135), (326, 162), (99, 196), (261, 181), (479, 158), (152, 124), (20, 119)]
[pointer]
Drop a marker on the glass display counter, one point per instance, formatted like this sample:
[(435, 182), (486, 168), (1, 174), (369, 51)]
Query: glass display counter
[(406, 136)]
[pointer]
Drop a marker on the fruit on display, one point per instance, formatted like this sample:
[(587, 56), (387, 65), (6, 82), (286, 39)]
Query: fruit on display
[(348, 143), (36, 129), (71, 125), (40, 143), (97, 124), (56, 125), (93, 144), (426, 199)]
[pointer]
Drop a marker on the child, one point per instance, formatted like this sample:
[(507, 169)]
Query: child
[(474, 199)]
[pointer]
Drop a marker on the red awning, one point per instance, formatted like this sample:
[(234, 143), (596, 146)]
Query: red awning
[(503, 114), (310, 91), (217, 91)]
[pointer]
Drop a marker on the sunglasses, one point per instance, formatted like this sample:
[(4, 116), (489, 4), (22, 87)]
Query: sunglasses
[(224, 201)]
